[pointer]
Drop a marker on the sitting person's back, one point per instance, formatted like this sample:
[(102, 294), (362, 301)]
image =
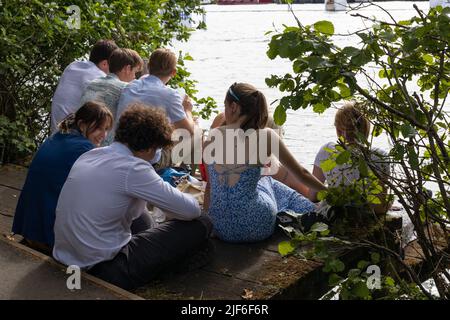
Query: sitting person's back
[(35, 212), (123, 65), (75, 78), (350, 123), (241, 202), (107, 191), (151, 90)]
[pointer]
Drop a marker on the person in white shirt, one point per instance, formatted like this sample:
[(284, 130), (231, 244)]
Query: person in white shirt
[(350, 122), (106, 193), (74, 79)]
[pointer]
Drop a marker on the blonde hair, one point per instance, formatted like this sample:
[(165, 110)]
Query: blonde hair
[(162, 62), (350, 121)]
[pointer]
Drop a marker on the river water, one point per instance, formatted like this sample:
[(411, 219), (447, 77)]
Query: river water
[(233, 49)]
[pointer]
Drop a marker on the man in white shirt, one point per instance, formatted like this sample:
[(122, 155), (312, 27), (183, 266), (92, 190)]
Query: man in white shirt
[(74, 79), (107, 191)]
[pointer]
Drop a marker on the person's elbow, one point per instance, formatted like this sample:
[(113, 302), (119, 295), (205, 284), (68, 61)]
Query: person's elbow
[(190, 210)]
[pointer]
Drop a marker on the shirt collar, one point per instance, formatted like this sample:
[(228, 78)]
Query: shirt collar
[(112, 76), (155, 80), (94, 65), (121, 149)]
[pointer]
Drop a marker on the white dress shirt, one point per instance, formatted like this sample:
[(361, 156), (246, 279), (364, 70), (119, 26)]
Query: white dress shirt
[(72, 83), (105, 191)]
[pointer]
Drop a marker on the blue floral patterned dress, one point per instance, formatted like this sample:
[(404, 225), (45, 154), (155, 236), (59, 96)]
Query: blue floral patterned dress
[(244, 204)]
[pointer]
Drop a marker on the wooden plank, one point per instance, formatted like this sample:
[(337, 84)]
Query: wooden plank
[(13, 176), (5, 225), (199, 285), (8, 200), (26, 274)]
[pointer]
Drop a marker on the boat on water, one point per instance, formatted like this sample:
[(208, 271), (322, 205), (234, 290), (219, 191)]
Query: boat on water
[(244, 1), (336, 5)]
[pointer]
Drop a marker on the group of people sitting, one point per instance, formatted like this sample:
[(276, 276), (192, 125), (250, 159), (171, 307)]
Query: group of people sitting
[(89, 185)]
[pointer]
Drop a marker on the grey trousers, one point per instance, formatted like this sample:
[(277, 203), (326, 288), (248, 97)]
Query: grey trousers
[(152, 251)]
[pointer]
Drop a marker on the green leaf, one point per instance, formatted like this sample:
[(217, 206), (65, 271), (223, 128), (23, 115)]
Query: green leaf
[(285, 248), (343, 157), (360, 290), (328, 165), (336, 265), (389, 282), (373, 199), (350, 51), (413, 158), (279, 115), (319, 227), (362, 264), (363, 168), (407, 130), (354, 273), (324, 26), (321, 195), (428, 58), (334, 280), (319, 108), (375, 257)]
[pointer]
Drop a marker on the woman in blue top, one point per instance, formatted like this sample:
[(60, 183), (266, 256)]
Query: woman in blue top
[(35, 211), (241, 202)]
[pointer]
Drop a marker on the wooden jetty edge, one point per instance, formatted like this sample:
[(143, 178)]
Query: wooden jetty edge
[(235, 271)]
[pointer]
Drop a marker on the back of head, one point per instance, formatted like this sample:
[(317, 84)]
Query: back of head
[(101, 50), (351, 121), (162, 62), (253, 105), (121, 58), (142, 127), (93, 114)]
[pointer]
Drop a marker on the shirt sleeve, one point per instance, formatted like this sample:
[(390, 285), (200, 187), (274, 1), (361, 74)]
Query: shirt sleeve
[(144, 183), (323, 154), (176, 111)]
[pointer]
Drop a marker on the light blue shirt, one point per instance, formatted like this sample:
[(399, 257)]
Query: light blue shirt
[(107, 188), (153, 92), (72, 83)]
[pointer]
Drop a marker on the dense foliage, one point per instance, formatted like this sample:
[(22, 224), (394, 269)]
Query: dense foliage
[(405, 99)]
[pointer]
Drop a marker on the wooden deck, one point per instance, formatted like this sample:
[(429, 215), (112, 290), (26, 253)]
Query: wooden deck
[(255, 271)]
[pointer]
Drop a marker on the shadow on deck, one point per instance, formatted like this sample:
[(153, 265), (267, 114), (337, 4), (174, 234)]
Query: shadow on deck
[(246, 271)]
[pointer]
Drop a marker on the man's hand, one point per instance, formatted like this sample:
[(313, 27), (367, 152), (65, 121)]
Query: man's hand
[(187, 104)]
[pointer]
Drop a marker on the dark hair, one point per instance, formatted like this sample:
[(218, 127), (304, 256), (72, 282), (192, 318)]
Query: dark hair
[(162, 62), (102, 50), (253, 105), (142, 127), (93, 114), (120, 58)]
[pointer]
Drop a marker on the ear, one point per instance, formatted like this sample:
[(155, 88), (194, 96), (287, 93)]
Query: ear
[(234, 107), (104, 66), (82, 126), (174, 73)]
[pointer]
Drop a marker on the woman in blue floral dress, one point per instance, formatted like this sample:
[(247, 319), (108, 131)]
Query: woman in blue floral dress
[(241, 201)]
